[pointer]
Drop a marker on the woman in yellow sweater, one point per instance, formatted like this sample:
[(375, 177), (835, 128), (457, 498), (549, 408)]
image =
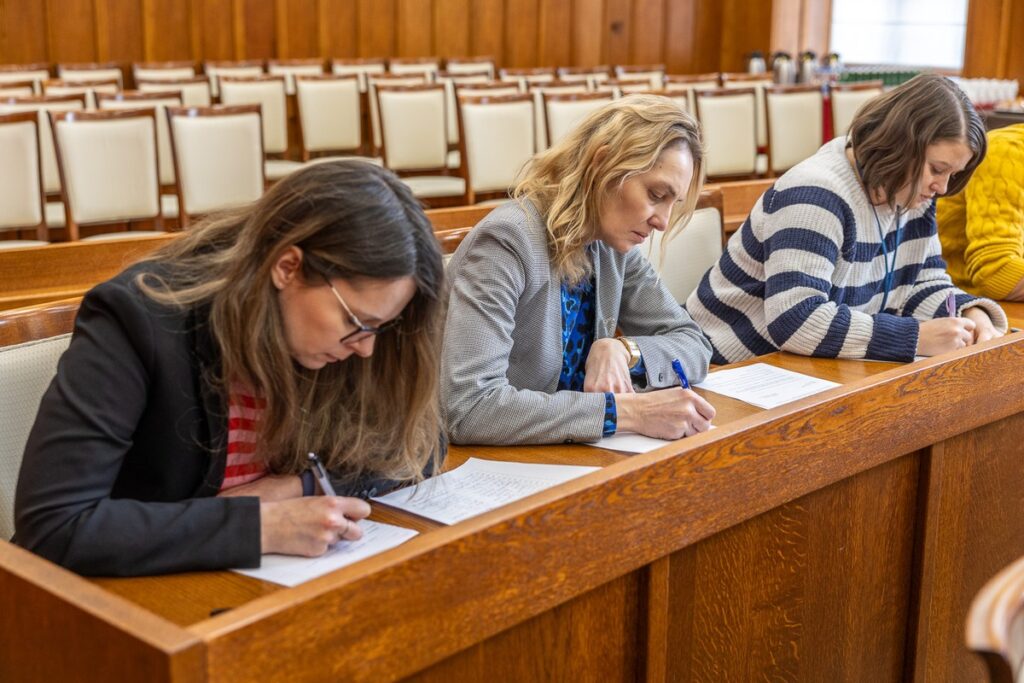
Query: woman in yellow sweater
[(982, 227)]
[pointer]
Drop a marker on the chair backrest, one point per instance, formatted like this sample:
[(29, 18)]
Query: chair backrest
[(248, 68), (794, 124), (218, 157), (195, 91), (758, 82), (32, 340), (846, 99), (684, 259), (470, 65), (995, 624), (21, 175), (449, 81), (496, 137), (362, 68), (269, 93), (490, 88), (680, 96), (12, 88), (563, 111), (108, 166), (591, 75), (290, 68), (87, 88), (159, 101), (405, 66), (729, 120), (555, 87), (330, 113), (42, 104), (527, 77), (688, 83), (162, 71), (37, 73), (91, 71), (371, 90), (655, 73), (414, 129), (624, 86)]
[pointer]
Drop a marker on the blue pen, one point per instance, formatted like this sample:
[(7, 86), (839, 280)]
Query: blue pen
[(951, 304), (678, 367)]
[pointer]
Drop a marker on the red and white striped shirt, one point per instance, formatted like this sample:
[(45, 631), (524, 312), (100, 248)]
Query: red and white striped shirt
[(244, 414)]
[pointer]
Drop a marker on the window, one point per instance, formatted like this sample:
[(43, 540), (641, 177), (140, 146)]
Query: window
[(900, 32)]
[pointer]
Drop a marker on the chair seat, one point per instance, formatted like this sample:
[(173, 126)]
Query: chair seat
[(275, 169), (54, 212), (126, 235), (429, 186), (454, 159), (14, 244)]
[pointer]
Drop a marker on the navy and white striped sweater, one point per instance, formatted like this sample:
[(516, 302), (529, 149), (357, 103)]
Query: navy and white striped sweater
[(805, 273)]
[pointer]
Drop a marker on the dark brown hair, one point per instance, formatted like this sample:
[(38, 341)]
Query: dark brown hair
[(891, 133), (352, 220)]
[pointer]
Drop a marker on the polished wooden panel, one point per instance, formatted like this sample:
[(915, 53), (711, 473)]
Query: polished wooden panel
[(521, 21), (214, 34), (257, 18), (23, 32), (648, 26), (618, 27), (338, 22), (168, 30), (377, 20), (37, 322), (71, 26), (554, 47), (119, 29), (587, 33), (297, 30), (995, 624), (415, 35), (451, 28)]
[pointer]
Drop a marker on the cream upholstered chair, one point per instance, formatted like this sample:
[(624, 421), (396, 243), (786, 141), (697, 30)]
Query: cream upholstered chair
[(687, 83), (679, 96), (330, 115), (449, 81), (158, 101), (22, 202), (496, 139), (415, 66), (462, 66), (758, 82), (371, 93), (162, 71), (362, 68), (555, 87), (290, 68), (37, 73), (846, 99), (87, 88), (91, 71), (246, 68), (619, 87), (527, 77), (591, 75), (32, 340), (563, 111), (51, 176), (195, 91), (995, 624), (655, 73), (414, 131), (269, 93), (794, 125), (730, 130), (17, 88), (218, 157), (682, 260), (108, 169)]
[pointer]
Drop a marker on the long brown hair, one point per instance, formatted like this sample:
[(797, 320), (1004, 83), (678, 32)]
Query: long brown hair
[(352, 220), (618, 141), (891, 133)]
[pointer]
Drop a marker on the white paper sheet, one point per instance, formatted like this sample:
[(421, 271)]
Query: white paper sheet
[(630, 442), (763, 385), (289, 570), (478, 486)]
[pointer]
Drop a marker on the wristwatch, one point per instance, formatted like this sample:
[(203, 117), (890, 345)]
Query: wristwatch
[(634, 351)]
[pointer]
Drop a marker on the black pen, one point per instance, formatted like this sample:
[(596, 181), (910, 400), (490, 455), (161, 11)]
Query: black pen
[(321, 475)]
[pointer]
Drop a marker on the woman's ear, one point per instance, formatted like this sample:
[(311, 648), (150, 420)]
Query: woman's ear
[(287, 267)]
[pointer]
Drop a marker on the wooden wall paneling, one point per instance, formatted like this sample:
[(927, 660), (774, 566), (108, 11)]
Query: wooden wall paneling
[(214, 32), (555, 31), (595, 636), (1015, 54), (985, 33), (746, 26), (487, 29), (23, 32), (616, 31), (588, 30), (259, 20), (965, 540), (648, 32), (693, 41), (71, 31), (339, 21), (787, 16), (414, 29), (121, 28), (816, 26), (813, 590), (521, 21), (296, 27), (451, 28), (376, 21), (167, 30)]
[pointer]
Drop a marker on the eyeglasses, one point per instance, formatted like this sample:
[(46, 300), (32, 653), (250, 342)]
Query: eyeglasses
[(362, 331)]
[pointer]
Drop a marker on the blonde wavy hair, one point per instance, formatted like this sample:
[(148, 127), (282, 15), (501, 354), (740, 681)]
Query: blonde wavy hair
[(625, 138)]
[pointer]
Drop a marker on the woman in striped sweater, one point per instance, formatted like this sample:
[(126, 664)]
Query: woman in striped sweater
[(840, 258)]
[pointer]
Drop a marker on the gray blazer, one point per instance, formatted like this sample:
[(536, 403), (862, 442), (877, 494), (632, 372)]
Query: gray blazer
[(503, 337)]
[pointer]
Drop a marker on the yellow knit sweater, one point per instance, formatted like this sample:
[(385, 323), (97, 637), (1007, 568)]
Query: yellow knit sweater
[(982, 227)]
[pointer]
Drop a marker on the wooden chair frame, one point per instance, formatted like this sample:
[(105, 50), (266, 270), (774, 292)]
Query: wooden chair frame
[(484, 60), (52, 319), (91, 66), (363, 148), (33, 118), (10, 85), (471, 196), (158, 66)]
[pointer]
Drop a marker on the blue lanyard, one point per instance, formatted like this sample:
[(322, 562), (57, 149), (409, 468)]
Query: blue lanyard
[(890, 268)]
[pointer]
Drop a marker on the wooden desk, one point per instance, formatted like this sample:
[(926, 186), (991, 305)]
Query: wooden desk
[(839, 537)]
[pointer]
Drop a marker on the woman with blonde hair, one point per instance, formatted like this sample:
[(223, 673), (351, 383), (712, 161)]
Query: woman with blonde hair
[(558, 329), (177, 432)]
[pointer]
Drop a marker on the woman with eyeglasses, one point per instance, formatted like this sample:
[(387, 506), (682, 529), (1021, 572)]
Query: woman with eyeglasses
[(175, 436)]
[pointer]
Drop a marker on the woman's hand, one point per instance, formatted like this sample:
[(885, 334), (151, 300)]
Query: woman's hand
[(665, 414), (268, 489), (945, 334), (608, 367), (983, 327), (309, 526)]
